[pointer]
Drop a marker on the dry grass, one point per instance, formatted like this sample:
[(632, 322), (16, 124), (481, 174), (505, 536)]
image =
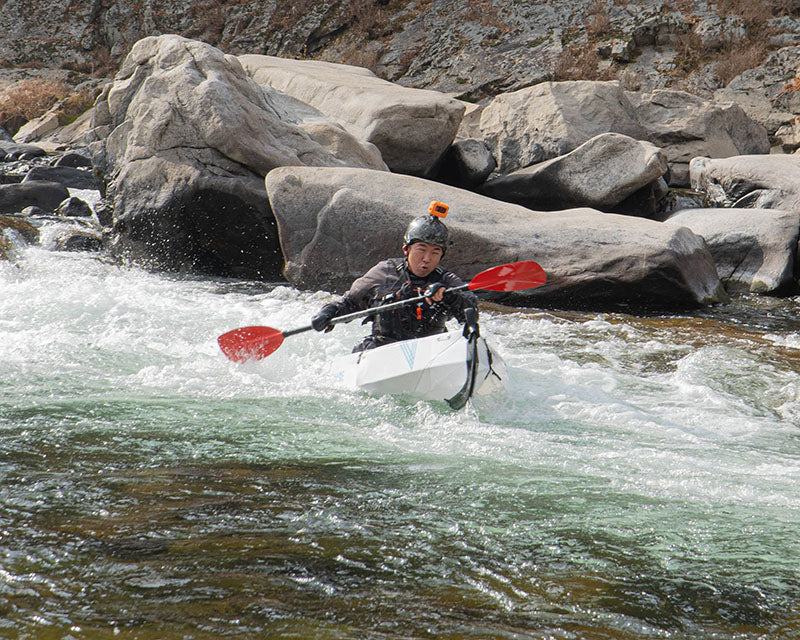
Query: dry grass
[(597, 22), (578, 63), (73, 106), (733, 59), (29, 99)]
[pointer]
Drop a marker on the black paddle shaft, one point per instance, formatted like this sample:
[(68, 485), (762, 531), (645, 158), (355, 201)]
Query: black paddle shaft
[(370, 311)]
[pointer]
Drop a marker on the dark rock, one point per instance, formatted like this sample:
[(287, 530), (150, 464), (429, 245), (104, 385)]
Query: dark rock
[(79, 240), (74, 208), (33, 211), (74, 160), (16, 150), (27, 231), (68, 176), (466, 164), (47, 195), (105, 213)]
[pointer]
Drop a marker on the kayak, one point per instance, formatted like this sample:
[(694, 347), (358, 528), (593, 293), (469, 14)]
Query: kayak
[(445, 366)]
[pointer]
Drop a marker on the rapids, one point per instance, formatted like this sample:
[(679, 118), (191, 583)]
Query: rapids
[(640, 481)]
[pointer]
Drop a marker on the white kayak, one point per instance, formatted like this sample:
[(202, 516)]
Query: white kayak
[(446, 366)]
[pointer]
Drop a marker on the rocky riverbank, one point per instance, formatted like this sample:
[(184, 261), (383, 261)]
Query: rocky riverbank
[(588, 178)]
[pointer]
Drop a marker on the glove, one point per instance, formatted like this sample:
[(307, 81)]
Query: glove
[(433, 289), (471, 322), (322, 321)]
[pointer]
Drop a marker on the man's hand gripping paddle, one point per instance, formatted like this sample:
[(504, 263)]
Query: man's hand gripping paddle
[(256, 342)]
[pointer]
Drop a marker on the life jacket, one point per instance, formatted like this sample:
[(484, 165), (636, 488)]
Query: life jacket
[(413, 320)]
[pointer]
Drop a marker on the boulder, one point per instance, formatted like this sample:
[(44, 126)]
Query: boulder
[(600, 173), (686, 126), (466, 164), (336, 223), (37, 128), (753, 249), (45, 195), (329, 134), (16, 150), (73, 208), (68, 176), (75, 160), (762, 182), (412, 128), (77, 240), (551, 119), (184, 138)]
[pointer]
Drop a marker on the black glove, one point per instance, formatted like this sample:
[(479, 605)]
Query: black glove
[(433, 288), (322, 321), (471, 322)]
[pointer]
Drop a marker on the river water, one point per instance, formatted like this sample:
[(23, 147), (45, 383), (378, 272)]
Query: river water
[(640, 481)]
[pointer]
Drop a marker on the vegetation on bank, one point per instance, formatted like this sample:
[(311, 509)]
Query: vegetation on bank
[(360, 32), (29, 99)]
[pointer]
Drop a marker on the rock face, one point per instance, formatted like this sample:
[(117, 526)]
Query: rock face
[(185, 138), (553, 118), (685, 126), (753, 249), (767, 182), (600, 173), (412, 128), (336, 223)]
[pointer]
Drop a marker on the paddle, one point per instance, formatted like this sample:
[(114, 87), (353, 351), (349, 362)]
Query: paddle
[(258, 342)]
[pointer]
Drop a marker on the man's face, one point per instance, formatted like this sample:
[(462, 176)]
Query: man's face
[(423, 258)]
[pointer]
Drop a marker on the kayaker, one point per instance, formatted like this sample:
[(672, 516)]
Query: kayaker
[(418, 272)]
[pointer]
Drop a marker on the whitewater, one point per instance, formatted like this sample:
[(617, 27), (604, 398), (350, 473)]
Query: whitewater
[(639, 481)]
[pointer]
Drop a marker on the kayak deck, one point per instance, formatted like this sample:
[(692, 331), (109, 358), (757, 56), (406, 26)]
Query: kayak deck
[(437, 367)]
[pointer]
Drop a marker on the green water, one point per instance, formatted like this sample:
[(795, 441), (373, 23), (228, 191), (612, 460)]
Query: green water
[(640, 481)]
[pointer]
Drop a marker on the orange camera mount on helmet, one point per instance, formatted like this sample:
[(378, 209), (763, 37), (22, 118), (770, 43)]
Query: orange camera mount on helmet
[(438, 209)]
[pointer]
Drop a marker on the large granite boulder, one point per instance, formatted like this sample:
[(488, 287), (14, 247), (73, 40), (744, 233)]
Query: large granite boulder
[(685, 126), (764, 182), (412, 127), (336, 223), (185, 138), (551, 119), (754, 249), (600, 173)]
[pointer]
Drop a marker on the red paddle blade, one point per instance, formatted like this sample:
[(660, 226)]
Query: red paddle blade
[(250, 343), (513, 276)]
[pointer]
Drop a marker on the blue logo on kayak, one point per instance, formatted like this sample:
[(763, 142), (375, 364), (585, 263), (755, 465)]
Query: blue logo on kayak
[(409, 350)]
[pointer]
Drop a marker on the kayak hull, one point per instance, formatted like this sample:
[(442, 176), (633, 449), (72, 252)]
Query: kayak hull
[(432, 368)]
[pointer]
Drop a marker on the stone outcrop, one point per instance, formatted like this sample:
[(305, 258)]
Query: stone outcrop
[(600, 173), (185, 138), (412, 128), (336, 223), (551, 119), (685, 126), (754, 249), (765, 182)]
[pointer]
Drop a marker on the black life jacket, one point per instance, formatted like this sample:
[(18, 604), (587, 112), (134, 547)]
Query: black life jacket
[(413, 320)]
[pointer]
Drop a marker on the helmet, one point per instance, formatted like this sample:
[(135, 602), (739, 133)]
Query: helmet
[(429, 228)]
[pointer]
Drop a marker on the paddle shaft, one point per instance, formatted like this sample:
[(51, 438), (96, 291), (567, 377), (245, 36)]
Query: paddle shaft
[(372, 310)]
